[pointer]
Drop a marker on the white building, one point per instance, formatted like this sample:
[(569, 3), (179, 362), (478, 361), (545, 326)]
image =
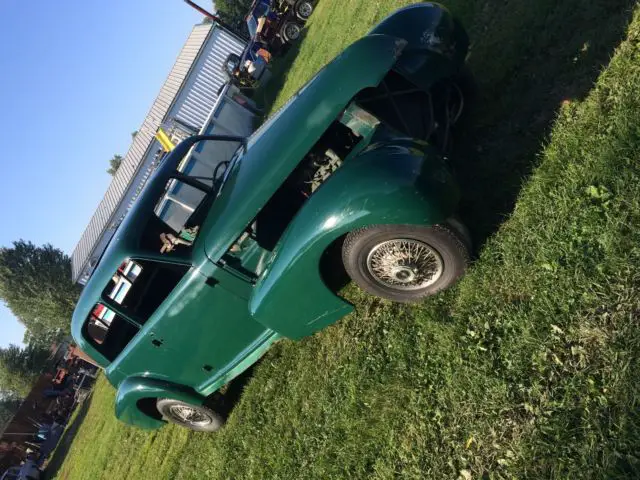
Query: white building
[(185, 100)]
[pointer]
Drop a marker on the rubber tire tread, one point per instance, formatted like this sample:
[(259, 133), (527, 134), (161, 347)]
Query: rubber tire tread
[(163, 403), (300, 17), (444, 239)]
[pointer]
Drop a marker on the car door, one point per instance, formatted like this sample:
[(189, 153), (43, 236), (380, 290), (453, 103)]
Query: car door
[(194, 326)]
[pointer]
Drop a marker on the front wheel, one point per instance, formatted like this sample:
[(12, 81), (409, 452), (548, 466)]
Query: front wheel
[(405, 263), (194, 417), (291, 32)]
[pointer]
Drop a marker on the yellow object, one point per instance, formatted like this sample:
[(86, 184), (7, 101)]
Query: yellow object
[(165, 141)]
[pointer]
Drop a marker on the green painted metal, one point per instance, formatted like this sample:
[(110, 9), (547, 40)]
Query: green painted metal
[(437, 44), (199, 333), (134, 389), (284, 140), (397, 181), (252, 354), (125, 243), (220, 319)]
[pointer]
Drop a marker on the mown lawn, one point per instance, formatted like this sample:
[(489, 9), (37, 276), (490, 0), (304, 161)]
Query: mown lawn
[(529, 368)]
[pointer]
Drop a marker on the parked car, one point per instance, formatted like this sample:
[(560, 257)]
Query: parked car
[(236, 256), (273, 24)]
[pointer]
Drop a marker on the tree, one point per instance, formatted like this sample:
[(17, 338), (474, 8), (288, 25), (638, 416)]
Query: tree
[(114, 164), (20, 367), (9, 404), (36, 285), (233, 12)]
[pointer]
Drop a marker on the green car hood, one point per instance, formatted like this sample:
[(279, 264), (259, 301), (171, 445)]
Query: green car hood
[(277, 147)]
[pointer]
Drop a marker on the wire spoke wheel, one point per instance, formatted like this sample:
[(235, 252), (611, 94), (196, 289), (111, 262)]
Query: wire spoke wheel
[(194, 417), (190, 415), (405, 264)]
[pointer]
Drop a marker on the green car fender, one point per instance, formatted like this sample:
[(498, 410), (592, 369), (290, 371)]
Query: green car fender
[(437, 44), (135, 400), (397, 182), (283, 141)]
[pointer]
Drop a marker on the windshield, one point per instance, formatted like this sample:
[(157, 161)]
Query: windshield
[(252, 25)]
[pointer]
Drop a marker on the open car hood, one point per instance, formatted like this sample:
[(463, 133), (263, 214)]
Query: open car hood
[(277, 147)]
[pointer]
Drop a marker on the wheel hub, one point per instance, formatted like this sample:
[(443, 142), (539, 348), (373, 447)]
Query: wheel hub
[(404, 264), (403, 274), (292, 32), (190, 415), (305, 9)]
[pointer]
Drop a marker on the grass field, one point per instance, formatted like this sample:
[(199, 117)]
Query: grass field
[(529, 368)]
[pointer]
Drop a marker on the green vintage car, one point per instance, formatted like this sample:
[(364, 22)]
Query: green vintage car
[(217, 261)]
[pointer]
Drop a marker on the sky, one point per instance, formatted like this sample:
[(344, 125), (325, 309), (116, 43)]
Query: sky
[(76, 79)]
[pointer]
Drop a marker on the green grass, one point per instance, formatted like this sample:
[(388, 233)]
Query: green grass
[(529, 367)]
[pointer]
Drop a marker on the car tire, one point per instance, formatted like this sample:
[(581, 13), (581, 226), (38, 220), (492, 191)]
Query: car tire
[(405, 263), (291, 32), (303, 9), (194, 417)]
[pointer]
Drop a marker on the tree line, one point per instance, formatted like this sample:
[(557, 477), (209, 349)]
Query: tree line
[(36, 285), (233, 13)]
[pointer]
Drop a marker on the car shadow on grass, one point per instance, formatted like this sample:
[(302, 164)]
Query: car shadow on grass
[(227, 399), (522, 81), (60, 453)]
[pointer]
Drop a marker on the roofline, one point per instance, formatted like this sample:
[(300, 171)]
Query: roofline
[(231, 32)]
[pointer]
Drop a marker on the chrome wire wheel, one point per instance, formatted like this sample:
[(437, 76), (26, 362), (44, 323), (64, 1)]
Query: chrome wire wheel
[(196, 417), (304, 9), (190, 415), (405, 264)]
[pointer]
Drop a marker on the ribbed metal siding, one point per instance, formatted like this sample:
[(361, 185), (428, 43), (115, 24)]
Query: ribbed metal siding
[(201, 88), (101, 219)]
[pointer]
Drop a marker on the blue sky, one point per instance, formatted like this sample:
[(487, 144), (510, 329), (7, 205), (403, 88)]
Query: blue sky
[(77, 77)]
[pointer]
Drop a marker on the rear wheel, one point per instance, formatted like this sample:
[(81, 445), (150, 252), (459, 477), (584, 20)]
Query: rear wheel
[(304, 9), (405, 263), (193, 417), (291, 32)]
